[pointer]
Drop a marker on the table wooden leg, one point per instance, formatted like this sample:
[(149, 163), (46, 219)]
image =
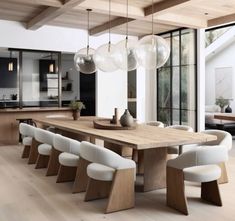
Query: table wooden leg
[(154, 169)]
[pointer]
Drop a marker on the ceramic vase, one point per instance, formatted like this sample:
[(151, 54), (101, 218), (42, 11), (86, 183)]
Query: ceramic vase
[(126, 119), (228, 109)]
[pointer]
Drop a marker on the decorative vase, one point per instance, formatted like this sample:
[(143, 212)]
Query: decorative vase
[(221, 109), (228, 109), (76, 114), (126, 119)]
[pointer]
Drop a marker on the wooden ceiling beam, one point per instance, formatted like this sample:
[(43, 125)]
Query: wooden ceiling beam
[(117, 9), (158, 8), (52, 3), (164, 5), (51, 13), (180, 21), (113, 24), (221, 20)]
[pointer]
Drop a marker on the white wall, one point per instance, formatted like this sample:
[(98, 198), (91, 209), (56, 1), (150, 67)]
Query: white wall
[(15, 35), (201, 79), (224, 58), (146, 95), (111, 92)]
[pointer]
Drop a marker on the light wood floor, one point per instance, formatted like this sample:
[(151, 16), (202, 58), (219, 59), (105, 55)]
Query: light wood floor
[(27, 195)]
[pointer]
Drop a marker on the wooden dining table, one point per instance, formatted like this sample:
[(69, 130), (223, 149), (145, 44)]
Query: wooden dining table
[(225, 116), (149, 141)]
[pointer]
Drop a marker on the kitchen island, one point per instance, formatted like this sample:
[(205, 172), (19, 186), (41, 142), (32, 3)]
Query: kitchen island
[(9, 120)]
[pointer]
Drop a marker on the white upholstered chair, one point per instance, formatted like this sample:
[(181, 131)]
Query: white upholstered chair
[(110, 175), (198, 165), (179, 149), (223, 138), (155, 123), (45, 138), (60, 144), (27, 132), (68, 160)]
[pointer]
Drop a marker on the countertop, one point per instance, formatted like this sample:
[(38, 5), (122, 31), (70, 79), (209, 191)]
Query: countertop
[(34, 109)]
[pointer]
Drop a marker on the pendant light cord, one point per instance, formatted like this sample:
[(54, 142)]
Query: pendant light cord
[(152, 18), (127, 19), (88, 28), (109, 25)]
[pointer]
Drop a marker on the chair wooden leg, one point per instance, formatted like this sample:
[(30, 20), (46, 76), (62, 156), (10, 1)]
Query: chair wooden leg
[(122, 194), (176, 190), (66, 174), (42, 161), (81, 179), (33, 155), (53, 165), (224, 176), (26, 151), (210, 192), (97, 189)]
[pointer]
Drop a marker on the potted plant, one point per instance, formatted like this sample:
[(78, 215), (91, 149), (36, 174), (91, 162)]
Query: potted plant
[(76, 107), (220, 101)]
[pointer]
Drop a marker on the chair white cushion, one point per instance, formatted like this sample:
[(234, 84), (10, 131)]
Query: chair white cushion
[(101, 155), (223, 138), (175, 149), (68, 159), (61, 143), (100, 172), (27, 141), (200, 174), (44, 149)]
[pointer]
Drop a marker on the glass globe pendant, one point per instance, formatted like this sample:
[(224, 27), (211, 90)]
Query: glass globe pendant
[(83, 59), (124, 55), (84, 62), (103, 58), (104, 55), (152, 52)]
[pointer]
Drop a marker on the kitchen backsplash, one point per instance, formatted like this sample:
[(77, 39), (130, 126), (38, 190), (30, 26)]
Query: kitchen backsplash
[(7, 92)]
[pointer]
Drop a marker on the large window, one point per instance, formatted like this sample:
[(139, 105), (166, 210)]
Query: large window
[(176, 80)]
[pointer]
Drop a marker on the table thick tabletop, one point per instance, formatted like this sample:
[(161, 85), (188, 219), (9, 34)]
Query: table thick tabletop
[(225, 116)]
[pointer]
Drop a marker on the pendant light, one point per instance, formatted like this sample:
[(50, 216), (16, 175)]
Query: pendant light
[(124, 56), (152, 51), (104, 54), (83, 59), (51, 65), (10, 64)]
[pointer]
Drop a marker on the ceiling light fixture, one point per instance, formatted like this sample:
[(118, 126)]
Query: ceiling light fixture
[(124, 56), (152, 51), (83, 59), (10, 63), (51, 65), (104, 54)]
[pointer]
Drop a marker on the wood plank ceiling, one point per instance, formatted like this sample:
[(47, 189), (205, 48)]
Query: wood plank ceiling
[(168, 14)]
